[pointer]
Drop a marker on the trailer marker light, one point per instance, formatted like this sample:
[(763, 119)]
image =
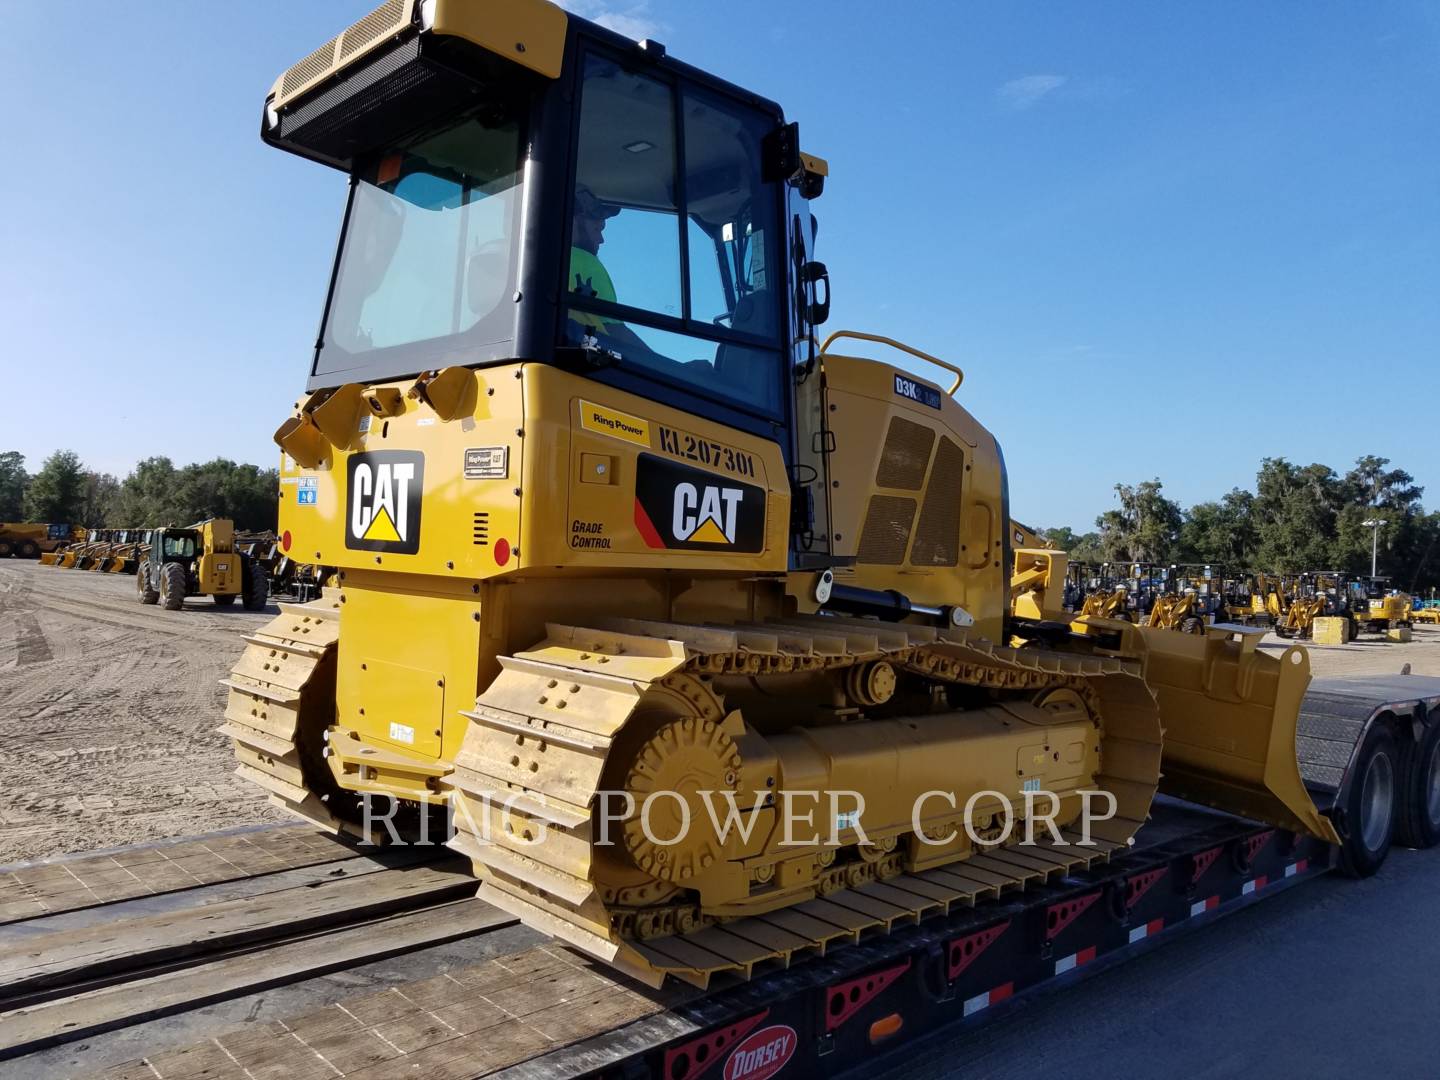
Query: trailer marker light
[(885, 1027)]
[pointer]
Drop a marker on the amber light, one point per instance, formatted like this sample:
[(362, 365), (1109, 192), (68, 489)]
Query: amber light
[(885, 1027)]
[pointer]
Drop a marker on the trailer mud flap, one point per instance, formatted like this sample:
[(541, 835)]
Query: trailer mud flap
[(1230, 713)]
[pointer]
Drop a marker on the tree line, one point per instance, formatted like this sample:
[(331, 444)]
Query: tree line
[(157, 492), (1298, 518)]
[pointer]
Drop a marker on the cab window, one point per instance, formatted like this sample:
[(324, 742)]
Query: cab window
[(672, 266)]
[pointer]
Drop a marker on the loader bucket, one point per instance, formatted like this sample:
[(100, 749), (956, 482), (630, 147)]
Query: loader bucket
[(1230, 713)]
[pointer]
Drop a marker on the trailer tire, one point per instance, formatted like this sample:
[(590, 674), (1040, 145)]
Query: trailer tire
[(6, 549), (144, 588), (172, 586), (1419, 813), (29, 550), (1370, 804), (256, 585)]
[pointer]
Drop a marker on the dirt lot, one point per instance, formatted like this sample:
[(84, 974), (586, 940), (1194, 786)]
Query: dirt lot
[(107, 714), (108, 711)]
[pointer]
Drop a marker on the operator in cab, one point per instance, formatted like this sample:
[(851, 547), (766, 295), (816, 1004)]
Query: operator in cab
[(589, 278)]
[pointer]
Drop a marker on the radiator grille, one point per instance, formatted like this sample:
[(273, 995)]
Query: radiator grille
[(887, 530), (309, 69), (937, 536), (481, 529), (905, 455), (381, 22)]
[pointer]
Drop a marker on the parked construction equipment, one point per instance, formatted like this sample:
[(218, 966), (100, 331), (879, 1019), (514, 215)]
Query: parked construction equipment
[(1378, 608), (200, 560), (585, 577), (30, 541)]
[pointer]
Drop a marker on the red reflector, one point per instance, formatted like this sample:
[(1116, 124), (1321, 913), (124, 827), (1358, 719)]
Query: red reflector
[(502, 551), (285, 540)]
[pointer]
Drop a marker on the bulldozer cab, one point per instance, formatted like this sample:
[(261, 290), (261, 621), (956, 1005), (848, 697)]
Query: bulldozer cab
[(654, 250), (573, 199)]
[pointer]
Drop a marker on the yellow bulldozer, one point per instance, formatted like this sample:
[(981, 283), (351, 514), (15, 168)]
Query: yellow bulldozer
[(625, 556)]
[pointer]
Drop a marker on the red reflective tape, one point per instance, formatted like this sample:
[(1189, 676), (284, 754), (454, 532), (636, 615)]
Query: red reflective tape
[(1001, 992), (1084, 956), (1302, 866), (1154, 926)]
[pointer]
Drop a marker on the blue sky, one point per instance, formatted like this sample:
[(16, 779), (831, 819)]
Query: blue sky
[(1163, 238)]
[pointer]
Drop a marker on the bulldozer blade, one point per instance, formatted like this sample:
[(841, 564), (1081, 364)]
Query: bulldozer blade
[(1230, 713)]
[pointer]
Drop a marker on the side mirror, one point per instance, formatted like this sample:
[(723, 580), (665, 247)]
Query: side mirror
[(812, 275)]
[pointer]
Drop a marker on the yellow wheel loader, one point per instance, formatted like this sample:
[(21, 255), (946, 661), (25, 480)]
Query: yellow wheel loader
[(703, 633), (199, 560)]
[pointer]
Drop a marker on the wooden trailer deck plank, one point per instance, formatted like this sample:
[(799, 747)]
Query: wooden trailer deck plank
[(47, 888)]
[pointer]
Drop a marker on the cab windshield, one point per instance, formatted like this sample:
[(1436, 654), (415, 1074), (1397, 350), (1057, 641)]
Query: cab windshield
[(673, 258), (181, 545), (428, 252)]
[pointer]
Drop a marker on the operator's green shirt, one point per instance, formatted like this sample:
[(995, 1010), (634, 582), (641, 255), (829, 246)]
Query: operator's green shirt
[(588, 277)]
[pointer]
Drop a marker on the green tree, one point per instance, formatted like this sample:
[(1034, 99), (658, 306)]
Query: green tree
[(13, 481), (1371, 492), (1081, 547), (1145, 528), (98, 499), (1296, 513), (157, 493), (1221, 532), (57, 492), (148, 497), (246, 494)]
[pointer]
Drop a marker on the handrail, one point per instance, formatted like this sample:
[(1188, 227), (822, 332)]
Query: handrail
[(880, 340)]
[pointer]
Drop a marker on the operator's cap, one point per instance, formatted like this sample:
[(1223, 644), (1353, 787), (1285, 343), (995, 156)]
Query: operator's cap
[(588, 204)]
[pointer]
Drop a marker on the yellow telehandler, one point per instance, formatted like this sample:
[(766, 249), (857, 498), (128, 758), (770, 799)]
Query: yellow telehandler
[(199, 560), (618, 539)]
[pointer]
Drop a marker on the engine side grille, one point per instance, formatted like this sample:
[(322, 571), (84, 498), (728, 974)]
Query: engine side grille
[(887, 530), (905, 456), (937, 536), (480, 531)]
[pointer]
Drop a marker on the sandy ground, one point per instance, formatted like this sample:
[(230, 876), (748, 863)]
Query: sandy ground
[(108, 711)]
